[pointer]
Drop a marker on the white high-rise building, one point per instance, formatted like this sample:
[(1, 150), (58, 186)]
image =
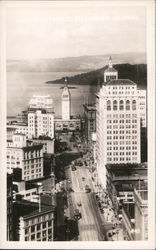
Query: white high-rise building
[(40, 123), (25, 155), (65, 103), (118, 122)]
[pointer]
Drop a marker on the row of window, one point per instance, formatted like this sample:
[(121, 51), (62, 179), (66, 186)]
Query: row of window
[(123, 142), (121, 131), (32, 171), (38, 219), (121, 105), (115, 159), (117, 153), (121, 115), (32, 177), (120, 137), (32, 154), (121, 87), (122, 121)]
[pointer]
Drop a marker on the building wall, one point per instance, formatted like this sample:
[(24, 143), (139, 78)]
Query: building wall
[(141, 217), (72, 125), (40, 124), (39, 227), (17, 128), (48, 145), (90, 121), (118, 126), (27, 157)]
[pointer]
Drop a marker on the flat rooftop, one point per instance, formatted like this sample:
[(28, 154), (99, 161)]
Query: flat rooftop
[(127, 169)]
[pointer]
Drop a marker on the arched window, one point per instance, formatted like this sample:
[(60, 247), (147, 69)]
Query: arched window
[(115, 105), (121, 105), (108, 105), (134, 105), (127, 105)]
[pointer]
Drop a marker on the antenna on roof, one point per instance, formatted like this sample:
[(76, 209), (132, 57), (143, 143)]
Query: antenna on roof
[(65, 82)]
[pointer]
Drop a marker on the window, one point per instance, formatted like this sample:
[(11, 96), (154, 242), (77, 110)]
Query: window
[(33, 229), (121, 105), (127, 105), (114, 105), (38, 227), (108, 105), (33, 237), (134, 105), (44, 225)]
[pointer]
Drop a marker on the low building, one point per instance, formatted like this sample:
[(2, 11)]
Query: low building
[(16, 127), (121, 181), (23, 191), (47, 142), (26, 155), (141, 213), (74, 124), (90, 120), (34, 221)]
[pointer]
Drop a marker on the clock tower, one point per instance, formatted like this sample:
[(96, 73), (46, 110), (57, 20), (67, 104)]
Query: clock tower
[(65, 103)]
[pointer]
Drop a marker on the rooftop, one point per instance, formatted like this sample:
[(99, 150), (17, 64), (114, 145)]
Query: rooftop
[(110, 69), (121, 82), (127, 169)]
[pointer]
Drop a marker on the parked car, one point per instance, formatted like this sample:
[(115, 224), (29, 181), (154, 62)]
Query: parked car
[(87, 189), (79, 204), (77, 214)]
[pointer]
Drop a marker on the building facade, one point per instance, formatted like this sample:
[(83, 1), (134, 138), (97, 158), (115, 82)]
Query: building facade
[(40, 123), (121, 181), (25, 155), (16, 127), (89, 120), (74, 124), (141, 214), (118, 123)]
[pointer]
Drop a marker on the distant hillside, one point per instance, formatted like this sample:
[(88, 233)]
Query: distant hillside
[(73, 64), (136, 73)]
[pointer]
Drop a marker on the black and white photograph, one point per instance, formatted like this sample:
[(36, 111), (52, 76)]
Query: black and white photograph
[(78, 143)]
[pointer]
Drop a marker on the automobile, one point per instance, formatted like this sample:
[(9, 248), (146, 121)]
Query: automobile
[(73, 168), (87, 188), (80, 164), (77, 214), (83, 178), (79, 204), (102, 210)]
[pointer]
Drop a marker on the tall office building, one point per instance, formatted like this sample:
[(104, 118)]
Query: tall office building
[(40, 123), (118, 116), (25, 155), (66, 103)]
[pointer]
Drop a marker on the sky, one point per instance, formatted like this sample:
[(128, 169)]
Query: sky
[(70, 31)]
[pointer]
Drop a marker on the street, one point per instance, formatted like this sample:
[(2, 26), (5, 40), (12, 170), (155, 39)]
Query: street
[(91, 225)]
